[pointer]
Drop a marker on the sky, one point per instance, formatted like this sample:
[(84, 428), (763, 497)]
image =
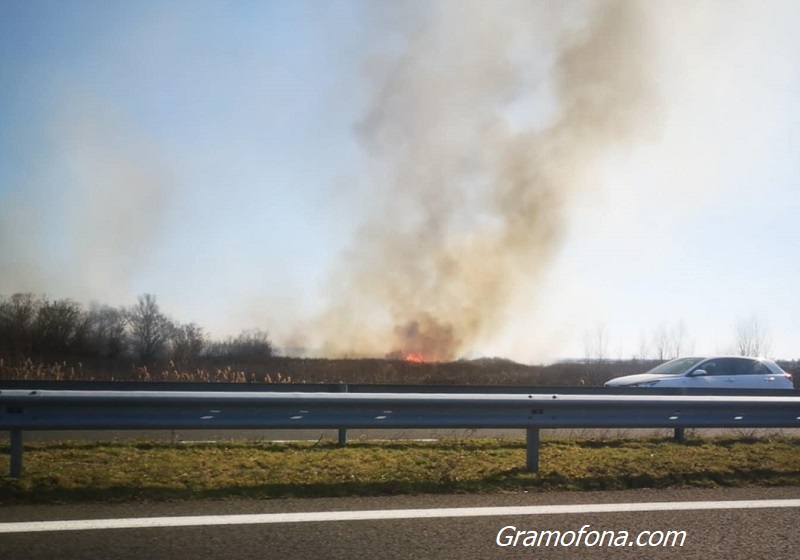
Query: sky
[(528, 180)]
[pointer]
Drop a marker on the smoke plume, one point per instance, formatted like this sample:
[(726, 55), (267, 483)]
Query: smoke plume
[(91, 221), (483, 126)]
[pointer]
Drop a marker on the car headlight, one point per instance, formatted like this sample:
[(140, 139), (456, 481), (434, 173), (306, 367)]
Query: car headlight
[(646, 384)]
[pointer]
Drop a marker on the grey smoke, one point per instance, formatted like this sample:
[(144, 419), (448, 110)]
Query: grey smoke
[(472, 182), (91, 221)]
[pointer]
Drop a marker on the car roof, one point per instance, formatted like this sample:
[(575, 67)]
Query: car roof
[(772, 364), (718, 356)]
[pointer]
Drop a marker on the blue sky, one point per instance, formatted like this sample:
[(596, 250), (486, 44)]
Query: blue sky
[(306, 167)]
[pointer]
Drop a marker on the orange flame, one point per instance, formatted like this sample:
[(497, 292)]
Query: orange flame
[(414, 357)]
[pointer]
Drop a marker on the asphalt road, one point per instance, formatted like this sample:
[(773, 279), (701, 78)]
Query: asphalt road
[(729, 534)]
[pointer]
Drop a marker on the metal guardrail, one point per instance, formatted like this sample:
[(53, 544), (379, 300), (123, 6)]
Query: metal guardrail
[(22, 410), (42, 385)]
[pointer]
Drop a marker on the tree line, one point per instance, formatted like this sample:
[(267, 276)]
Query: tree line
[(750, 338), (36, 326)]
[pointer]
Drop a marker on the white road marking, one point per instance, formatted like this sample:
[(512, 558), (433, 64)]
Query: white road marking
[(323, 516)]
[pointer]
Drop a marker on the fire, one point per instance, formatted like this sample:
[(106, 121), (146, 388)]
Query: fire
[(414, 357)]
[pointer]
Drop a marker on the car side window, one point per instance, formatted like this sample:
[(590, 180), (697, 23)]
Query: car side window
[(740, 366), (744, 366), (714, 367), (711, 367), (760, 369)]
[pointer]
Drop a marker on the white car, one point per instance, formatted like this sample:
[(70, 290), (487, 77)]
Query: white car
[(718, 372)]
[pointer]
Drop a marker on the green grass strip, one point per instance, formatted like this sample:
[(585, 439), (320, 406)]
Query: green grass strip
[(69, 472)]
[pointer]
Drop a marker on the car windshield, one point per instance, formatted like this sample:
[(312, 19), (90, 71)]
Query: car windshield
[(674, 367)]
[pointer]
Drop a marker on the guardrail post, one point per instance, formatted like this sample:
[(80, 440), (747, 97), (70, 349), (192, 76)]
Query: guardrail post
[(532, 450), (342, 431), (16, 453), (680, 433)]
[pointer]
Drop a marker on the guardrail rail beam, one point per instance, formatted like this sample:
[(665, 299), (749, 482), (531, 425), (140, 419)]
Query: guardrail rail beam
[(171, 410)]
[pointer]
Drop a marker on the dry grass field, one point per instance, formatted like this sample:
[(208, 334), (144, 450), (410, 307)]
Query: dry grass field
[(276, 369), (65, 472), (489, 371)]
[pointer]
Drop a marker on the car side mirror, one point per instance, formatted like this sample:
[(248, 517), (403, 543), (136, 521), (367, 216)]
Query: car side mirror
[(698, 373)]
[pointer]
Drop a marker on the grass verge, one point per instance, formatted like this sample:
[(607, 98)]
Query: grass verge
[(69, 472)]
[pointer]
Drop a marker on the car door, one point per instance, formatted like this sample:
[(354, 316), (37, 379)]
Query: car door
[(733, 373), (717, 375), (751, 374)]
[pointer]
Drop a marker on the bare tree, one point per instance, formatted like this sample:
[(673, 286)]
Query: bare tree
[(17, 322), (662, 345), (106, 335), (58, 327), (149, 328), (250, 345), (188, 342), (644, 348), (679, 343), (595, 344), (669, 343), (752, 337)]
